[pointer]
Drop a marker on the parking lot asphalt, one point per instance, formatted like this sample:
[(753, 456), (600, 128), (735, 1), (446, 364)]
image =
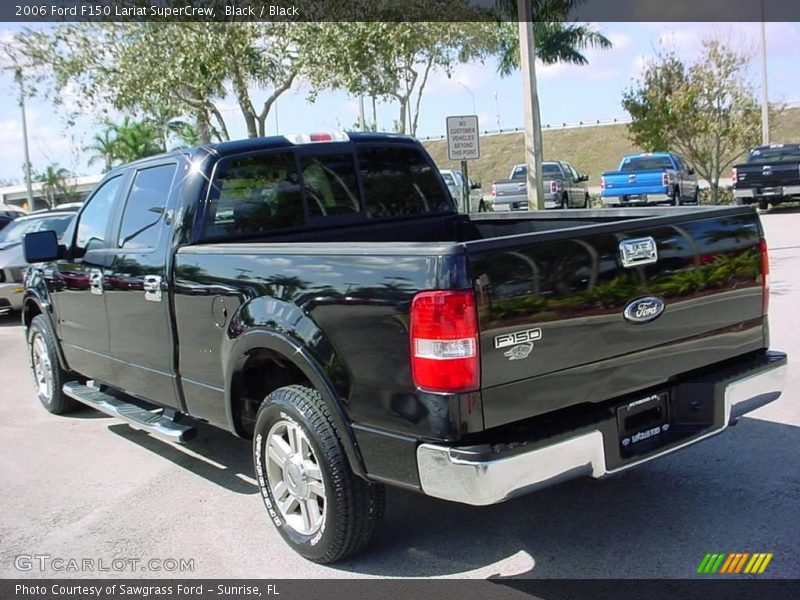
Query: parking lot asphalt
[(87, 486)]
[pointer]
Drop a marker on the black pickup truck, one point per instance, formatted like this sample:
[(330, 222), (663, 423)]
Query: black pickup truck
[(770, 176), (321, 295)]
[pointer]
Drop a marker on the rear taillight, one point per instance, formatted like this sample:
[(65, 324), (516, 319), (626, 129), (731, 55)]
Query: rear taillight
[(554, 186), (444, 341), (734, 175), (494, 190), (764, 277), (665, 179), (602, 182)]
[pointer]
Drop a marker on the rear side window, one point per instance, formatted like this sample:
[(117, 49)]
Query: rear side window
[(646, 163), (778, 154), (551, 170), (329, 181), (520, 172), (399, 181), (253, 194), (145, 207)]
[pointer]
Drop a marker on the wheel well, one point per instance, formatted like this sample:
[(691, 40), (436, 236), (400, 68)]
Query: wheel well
[(29, 311), (263, 372)]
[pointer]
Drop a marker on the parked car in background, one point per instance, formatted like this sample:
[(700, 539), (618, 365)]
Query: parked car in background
[(12, 259), (650, 178), (454, 180), (770, 175), (563, 187), (8, 214)]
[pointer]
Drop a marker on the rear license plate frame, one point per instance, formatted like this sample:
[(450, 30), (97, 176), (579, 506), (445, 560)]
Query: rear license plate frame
[(641, 423)]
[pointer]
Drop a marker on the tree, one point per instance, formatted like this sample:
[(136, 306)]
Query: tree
[(54, 180), (102, 147), (126, 141), (706, 110), (176, 68), (555, 42), (394, 60)]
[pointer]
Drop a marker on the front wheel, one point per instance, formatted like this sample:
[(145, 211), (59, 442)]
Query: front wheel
[(320, 507), (586, 200), (48, 376), (763, 204)]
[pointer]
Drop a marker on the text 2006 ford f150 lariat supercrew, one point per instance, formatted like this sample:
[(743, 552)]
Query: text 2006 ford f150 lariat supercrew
[(321, 295)]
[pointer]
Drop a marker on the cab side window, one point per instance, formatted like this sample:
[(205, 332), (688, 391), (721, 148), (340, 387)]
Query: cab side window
[(93, 222), (145, 207)]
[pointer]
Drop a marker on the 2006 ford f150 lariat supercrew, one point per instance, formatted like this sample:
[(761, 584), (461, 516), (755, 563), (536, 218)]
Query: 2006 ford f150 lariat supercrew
[(321, 295)]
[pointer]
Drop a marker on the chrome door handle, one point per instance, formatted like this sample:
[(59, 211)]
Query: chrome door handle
[(96, 282), (152, 288)]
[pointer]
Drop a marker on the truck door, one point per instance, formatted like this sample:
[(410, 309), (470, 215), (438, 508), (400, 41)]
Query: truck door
[(79, 296), (137, 299)]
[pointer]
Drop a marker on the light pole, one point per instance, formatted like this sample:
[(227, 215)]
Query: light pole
[(530, 101), (497, 110), (28, 184), (466, 87), (764, 95)]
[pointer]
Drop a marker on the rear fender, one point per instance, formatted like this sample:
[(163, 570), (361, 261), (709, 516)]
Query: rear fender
[(282, 327)]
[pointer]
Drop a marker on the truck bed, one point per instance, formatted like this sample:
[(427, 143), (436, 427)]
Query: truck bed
[(557, 272)]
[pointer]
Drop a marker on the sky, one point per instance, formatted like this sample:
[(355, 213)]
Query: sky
[(567, 93)]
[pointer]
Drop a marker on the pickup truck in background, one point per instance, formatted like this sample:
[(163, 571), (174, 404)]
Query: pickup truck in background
[(770, 176), (650, 178), (321, 295), (563, 188)]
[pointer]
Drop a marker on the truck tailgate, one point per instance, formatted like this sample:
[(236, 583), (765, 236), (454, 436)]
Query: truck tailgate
[(634, 182), (551, 308), (762, 175)]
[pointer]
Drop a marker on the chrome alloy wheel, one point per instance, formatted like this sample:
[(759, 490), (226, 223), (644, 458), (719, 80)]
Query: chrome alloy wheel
[(42, 369), (295, 478)]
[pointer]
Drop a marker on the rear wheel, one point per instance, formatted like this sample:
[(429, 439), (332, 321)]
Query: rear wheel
[(320, 507), (586, 200), (675, 198), (763, 204), (565, 201), (48, 376)]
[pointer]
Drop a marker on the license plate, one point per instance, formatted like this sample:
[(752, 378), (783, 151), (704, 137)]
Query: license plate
[(772, 191), (635, 197), (643, 422)]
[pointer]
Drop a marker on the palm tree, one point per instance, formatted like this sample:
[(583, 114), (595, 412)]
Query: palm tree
[(555, 42), (54, 181), (103, 147), (134, 140)]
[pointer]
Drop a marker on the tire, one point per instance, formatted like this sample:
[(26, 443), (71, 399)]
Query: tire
[(320, 507), (586, 200), (481, 206), (696, 199), (763, 204), (48, 376), (565, 202), (675, 198)]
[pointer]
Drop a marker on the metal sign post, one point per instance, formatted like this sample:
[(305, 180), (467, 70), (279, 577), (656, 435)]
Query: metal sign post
[(463, 143)]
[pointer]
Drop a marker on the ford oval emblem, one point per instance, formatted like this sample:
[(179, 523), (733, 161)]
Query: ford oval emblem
[(643, 310)]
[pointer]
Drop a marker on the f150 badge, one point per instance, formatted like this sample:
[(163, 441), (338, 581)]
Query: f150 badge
[(522, 342)]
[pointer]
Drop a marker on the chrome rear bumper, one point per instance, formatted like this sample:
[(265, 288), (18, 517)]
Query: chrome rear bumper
[(482, 482)]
